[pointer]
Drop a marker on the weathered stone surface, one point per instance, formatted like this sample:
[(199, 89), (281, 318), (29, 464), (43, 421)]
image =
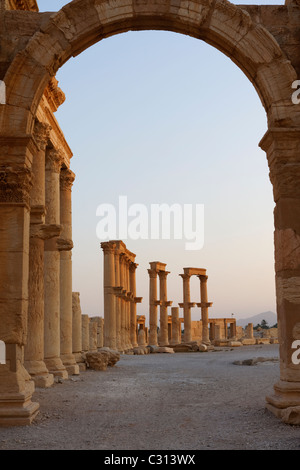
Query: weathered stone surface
[(112, 355), (96, 360), (165, 349), (140, 350)]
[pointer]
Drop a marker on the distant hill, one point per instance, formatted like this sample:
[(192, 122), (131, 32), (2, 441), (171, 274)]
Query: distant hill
[(270, 317)]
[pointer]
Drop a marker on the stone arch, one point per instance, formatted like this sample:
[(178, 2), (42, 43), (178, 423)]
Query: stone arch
[(81, 23), (67, 33)]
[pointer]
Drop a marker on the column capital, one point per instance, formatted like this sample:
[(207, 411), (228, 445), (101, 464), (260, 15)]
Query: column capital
[(108, 247), (15, 185), (67, 178), (54, 159), (203, 278), (41, 134), (282, 148), (185, 277), (163, 274), (132, 267), (152, 273)]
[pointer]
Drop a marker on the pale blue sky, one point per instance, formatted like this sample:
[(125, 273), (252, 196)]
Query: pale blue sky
[(164, 118)]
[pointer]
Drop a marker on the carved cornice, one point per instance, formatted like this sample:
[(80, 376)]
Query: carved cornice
[(29, 5), (67, 178), (54, 95), (15, 185)]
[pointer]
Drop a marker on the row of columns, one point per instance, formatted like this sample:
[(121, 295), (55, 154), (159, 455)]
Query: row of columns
[(48, 351), (187, 304), (120, 301), (158, 269)]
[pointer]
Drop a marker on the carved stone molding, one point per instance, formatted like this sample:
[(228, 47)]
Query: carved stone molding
[(15, 185)]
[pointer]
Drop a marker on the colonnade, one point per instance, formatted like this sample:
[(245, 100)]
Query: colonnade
[(158, 269), (187, 304), (120, 301), (49, 351)]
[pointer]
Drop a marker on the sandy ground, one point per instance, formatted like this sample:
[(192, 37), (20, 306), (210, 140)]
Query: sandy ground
[(182, 401)]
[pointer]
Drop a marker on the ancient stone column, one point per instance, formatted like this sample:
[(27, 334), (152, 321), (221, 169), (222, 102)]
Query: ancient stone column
[(187, 315), (52, 268), (65, 245), (127, 304), (93, 335), (153, 307), (100, 333), (118, 299), (34, 349), (16, 385), (109, 295), (204, 308), (249, 331), (282, 147), (133, 336), (77, 330), (99, 342), (122, 302), (85, 332), (175, 326), (163, 337)]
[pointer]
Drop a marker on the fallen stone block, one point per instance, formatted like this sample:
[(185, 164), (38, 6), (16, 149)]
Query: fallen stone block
[(112, 355), (165, 349), (248, 341), (96, 360), (234, 344)]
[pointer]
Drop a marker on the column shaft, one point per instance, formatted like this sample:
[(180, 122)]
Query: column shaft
[(52, 268), (153, 307)]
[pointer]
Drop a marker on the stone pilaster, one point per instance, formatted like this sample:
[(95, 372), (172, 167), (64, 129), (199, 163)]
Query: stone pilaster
[(282, 148)]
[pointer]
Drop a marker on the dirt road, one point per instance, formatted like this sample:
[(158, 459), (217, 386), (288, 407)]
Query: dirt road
[(187, 401)]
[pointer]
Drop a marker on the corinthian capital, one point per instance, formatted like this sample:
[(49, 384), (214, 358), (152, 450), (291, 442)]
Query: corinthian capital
[(67, 178), (54, 160), (41, 134)]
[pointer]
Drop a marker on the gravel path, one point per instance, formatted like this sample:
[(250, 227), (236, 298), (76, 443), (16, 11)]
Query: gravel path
[(182, 401)]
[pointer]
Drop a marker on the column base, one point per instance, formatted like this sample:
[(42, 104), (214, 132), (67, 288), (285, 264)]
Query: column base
[(16, 389), (285, 402), (80, 361), (56, 367), (39, 373), (70, 364)]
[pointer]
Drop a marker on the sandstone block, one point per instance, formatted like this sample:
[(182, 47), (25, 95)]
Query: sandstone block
[(165, 349)]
